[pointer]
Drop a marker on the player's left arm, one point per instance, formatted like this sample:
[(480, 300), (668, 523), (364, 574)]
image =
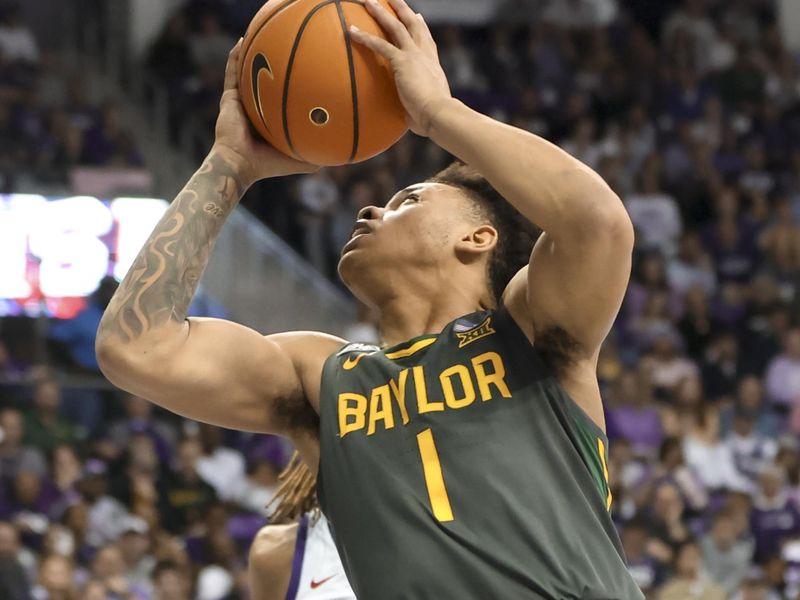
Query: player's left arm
[(580, 267)]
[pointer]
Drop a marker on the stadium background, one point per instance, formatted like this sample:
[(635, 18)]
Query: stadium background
[(690, 110)]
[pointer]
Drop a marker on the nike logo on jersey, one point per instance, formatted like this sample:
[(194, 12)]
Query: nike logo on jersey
[(316, 584), (352, 361)]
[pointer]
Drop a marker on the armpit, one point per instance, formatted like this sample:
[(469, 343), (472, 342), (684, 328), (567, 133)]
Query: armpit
[(295, 414), (558, 349)]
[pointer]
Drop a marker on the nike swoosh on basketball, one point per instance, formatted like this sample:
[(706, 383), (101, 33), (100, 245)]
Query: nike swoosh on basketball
[(316, 584), (260, 63)]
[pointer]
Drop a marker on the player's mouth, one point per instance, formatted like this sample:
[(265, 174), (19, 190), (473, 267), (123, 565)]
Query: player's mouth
[(360, 231), (361, 227)]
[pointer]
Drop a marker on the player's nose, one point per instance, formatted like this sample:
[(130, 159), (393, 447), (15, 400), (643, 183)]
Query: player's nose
[(371, 213)]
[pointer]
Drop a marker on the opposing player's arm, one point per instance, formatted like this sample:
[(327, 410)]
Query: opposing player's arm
[(206, 369), (269, 568)]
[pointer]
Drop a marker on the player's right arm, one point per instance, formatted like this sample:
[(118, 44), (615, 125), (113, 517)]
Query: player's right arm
[(206, 369)]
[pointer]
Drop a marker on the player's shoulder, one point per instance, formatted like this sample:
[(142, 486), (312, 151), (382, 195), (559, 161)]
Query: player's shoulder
[(307, 347), (272, 539)]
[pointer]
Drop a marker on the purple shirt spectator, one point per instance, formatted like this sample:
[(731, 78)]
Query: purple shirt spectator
[(783, 373), (774, 517)]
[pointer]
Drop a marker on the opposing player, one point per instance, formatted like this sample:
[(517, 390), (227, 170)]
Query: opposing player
[(294, 558), (465, 457)]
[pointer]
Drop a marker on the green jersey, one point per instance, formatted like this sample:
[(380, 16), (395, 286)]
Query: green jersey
[(455, 466)]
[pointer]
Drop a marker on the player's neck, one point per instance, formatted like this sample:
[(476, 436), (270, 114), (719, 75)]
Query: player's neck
[(407, 317)]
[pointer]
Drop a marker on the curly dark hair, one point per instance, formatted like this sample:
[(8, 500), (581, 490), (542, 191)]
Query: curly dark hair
[(516, 235)]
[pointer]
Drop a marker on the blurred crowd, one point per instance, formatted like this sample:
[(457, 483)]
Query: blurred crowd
[(50, 118), (145, 506), (689, 109)]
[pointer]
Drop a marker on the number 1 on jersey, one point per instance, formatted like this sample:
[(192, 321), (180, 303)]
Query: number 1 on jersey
[(434, 480)]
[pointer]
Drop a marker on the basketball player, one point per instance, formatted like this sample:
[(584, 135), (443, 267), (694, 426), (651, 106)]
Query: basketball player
[(465, 458), (295, 558)]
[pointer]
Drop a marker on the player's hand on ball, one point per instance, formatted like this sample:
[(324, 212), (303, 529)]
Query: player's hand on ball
[(255, 158), (421, 82)]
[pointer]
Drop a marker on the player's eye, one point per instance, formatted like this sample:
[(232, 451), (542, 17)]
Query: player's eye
[(411, 198)]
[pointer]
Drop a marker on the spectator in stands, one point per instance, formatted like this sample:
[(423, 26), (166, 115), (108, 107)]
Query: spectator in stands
[(458, 62), (318, 198), (752, 451), (698, 326), (65, 472), (781, 240), (17, 42), (14, 455), (667, 525), (14, 583), (222, 467), (135, 476), (667, 366), (44, 428), (634, 416), (689, 580), (140, 419), (105, 514), (170, 57), (184, 495), (134, 548), (654, 213), (80, 111), (108, 143), (56, 579), (783, 373), (726, 558), (710, 458), (692, 267), (108, 569), (721, 368), (774, 517), (260, 487), (171, 582), (644, 569), (210, 44)]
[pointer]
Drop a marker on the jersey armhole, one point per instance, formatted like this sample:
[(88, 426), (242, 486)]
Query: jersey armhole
[(591, 440)]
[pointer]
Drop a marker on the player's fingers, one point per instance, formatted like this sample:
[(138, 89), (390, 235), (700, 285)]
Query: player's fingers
[(405, 14), (424, 30), (232, 68), (373, 42), (390, 23)]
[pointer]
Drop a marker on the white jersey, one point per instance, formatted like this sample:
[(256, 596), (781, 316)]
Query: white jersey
[(317, 572)]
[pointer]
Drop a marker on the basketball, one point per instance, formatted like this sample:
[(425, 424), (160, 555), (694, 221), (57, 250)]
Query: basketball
[(313, 93)]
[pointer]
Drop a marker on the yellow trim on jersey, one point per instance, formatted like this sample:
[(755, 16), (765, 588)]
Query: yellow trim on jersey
[(601, 448), (413, 349)]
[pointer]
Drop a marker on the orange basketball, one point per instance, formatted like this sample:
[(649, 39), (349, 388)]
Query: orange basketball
[(313, 93)]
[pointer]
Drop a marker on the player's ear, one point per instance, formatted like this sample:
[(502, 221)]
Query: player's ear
[(476, 242)]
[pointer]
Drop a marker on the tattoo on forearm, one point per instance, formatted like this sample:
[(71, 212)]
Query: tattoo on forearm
[(162, 281)]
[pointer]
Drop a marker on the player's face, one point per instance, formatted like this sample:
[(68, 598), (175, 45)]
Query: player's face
[(415, 231)]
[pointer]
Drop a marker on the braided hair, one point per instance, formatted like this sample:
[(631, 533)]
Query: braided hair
[(297, 494)]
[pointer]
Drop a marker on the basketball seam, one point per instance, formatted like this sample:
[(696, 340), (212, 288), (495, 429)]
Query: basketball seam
[(353, 86), (289, 68)]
